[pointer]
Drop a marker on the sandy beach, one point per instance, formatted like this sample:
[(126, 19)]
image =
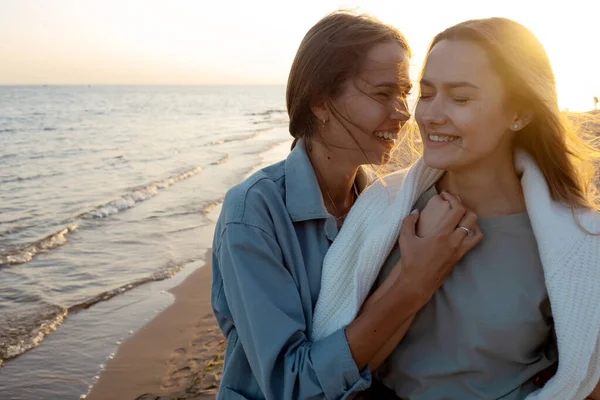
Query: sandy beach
[(177, 355)]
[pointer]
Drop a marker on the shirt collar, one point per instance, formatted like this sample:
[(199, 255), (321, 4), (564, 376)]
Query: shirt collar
[(303, 196)]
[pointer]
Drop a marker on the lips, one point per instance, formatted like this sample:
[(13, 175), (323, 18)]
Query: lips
[(442, 138), (439, 140), (387, 136)]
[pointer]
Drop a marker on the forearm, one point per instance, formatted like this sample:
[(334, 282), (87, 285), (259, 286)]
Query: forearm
[(387, 349), (382, 321), (389, 346)]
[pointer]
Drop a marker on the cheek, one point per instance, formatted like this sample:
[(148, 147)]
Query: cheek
[(368, 114), (480, 128), (419, 109), (470, 121)]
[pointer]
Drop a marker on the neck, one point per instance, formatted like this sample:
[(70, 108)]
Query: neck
[(489, 189), (335, 176)]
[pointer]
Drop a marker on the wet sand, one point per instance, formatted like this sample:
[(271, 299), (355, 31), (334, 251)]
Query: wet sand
[(177, 355)]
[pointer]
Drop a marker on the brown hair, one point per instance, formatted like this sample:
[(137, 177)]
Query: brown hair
[(332, 51), (568, 160)]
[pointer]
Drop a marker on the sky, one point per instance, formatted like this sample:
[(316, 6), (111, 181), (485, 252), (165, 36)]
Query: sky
[(254, 42)]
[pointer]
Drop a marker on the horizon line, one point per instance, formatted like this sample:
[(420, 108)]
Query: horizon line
[(140, 84)]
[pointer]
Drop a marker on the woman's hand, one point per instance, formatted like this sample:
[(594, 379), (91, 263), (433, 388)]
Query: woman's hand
[(430, 217), (424, 264), (427, 260)]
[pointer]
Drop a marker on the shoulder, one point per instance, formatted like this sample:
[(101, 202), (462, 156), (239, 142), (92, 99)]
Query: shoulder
[(589, 220), (252, 200), (395, 179), (388, 183)]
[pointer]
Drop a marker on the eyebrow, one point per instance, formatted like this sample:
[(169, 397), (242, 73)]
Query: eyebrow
[(395, 85), (451, 85)]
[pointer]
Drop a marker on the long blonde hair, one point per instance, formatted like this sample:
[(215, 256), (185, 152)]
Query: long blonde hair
[(568, 159)]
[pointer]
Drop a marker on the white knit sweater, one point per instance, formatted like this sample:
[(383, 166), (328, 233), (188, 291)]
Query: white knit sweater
[(570, 258)]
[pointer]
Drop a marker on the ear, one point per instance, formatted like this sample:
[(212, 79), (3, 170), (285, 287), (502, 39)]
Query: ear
[(321, 112), (521, 120)]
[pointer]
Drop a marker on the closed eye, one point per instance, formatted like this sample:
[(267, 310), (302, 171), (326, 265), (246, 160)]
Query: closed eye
[(460, 100)]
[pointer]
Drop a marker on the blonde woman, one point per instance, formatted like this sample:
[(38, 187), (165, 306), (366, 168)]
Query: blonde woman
[(346, 102), (526, 298)]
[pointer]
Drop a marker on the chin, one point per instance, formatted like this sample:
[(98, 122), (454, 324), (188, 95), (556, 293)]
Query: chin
[(384, 158), (378, 158), (437, 162)]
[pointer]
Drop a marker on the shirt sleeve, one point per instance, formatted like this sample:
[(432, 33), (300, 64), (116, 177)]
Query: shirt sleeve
[(267, 311)]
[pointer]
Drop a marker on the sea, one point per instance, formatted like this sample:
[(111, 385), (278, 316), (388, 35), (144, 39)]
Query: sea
[(108, 198)]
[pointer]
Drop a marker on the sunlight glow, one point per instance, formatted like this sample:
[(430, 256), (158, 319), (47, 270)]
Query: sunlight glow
[(240, 42)]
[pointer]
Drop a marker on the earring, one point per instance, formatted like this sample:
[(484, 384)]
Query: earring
[(516, 126), (323, 122)]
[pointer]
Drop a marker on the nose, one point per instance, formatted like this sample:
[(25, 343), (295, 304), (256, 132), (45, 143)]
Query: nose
[(431, 111), (400, 110)]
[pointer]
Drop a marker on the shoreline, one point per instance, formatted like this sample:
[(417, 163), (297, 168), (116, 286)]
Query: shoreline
[(177, 355)]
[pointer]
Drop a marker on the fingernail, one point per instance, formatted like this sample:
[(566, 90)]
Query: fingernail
[(413, 212)]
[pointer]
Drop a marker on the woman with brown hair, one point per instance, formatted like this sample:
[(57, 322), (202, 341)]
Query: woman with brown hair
[(346, 102), (528, 296)]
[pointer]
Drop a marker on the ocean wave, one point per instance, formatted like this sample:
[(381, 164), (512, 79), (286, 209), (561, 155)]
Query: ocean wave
[(137, 195), (204, 208), (222, 160), (168, 271), (117, 161), (267, 112), (209, 206), (9, 155), (29, 178), (234, 138), (23, 331), (187, 228), (16, 229), (24, 253)]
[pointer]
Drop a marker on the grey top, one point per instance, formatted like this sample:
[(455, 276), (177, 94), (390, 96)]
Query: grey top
[(487, 331)]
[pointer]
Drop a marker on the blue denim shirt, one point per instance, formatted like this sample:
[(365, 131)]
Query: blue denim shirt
[(269, 245)]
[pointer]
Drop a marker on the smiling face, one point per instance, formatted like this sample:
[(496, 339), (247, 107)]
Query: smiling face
[(370, 109), (462, 112)]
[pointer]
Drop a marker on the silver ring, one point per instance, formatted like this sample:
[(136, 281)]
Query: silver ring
[(469, 232)]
